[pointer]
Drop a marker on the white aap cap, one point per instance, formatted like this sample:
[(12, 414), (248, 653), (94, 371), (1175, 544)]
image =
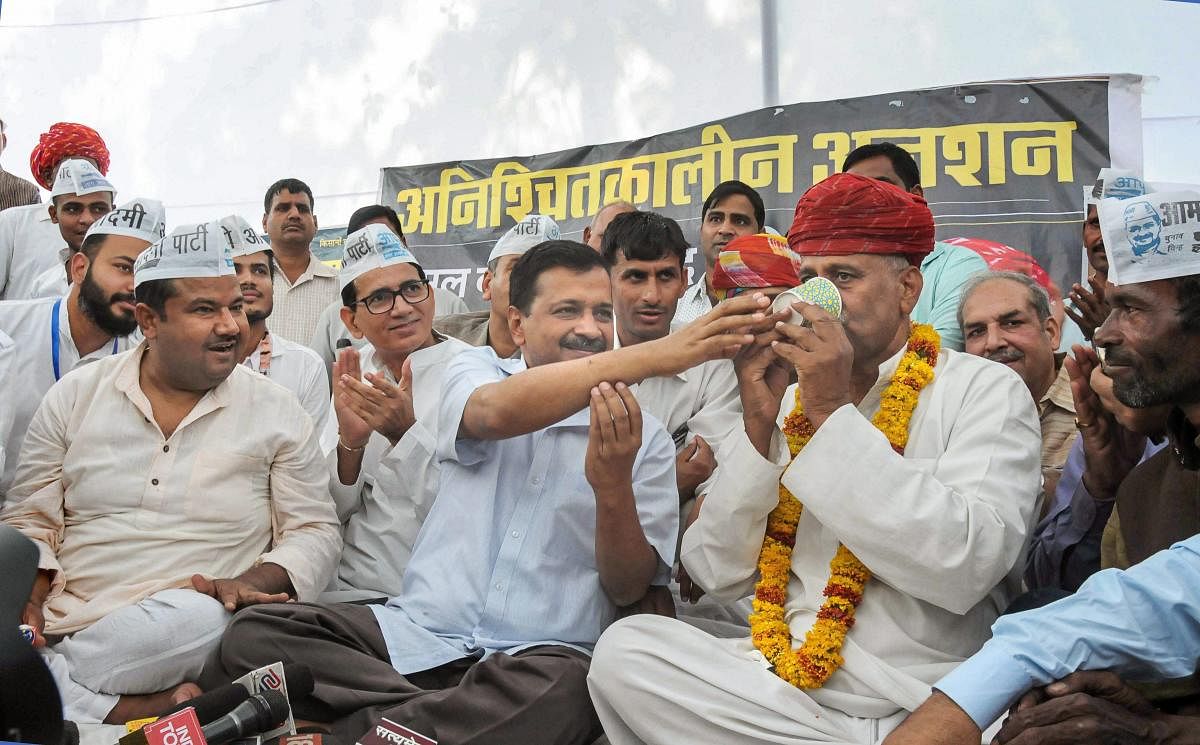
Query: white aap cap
[(138, 218), (1114, 183), (188, 251), (371, 247), (79, 176), (534, 229), (243, 238)]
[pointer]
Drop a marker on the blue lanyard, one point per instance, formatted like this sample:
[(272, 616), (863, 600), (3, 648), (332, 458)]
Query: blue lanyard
[(56, 335)]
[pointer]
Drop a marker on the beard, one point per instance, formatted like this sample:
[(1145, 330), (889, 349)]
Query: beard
[(254, 316), (97, 307), (1155, 381)]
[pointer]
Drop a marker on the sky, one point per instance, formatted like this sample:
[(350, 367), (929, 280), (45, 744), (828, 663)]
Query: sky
[(205, 104)]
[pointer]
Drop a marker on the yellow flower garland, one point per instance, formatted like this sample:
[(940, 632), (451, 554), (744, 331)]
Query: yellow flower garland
[(820, 655)]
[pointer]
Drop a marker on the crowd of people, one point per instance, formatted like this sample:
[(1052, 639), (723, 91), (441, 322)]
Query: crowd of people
[(611, 504)]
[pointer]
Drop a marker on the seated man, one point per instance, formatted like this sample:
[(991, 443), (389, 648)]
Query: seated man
[(557, 505), (896, 459), (80, 197), (489, 328), (380, 440), (166, 487), (95, 319), (331, 334), (29, 238), (293, 366), (1141, 623), (947, 267), (1005, 317)]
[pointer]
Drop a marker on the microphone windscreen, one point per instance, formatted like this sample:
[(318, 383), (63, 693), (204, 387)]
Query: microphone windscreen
[(299, 680), (214, 704), (275, 712)]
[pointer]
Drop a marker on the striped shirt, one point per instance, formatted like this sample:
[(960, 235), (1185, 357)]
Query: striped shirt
[(298, 306), (16, 191)]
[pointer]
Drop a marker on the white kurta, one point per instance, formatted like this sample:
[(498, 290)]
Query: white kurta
[(29, 245), (28, 322), (8, 354), (942, 528), (383, 511), (119, 512), (299, 369), (50, 282)]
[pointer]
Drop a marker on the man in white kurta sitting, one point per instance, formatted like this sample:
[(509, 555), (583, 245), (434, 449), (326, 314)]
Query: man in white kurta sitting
[(291, 365), (166, 487), (917, 507), (381, 437)]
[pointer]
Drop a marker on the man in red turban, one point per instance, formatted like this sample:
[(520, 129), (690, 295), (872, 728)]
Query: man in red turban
[(913, 465), (29, 240), (760, 262)]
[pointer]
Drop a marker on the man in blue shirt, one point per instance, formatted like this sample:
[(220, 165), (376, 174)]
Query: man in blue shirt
[(1143, 623), (557, 504)]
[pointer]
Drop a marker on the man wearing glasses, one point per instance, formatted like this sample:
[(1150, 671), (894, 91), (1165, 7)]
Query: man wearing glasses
[(380, 441)]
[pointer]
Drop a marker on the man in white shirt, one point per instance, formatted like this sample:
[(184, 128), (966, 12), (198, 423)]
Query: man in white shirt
[(731, 210), (331, 334), (557, 505), (489, 328), (291, 365), (29, 240), (304, 286), (92, 321), (380, 440), (8, 353), (933, 496), (161, 498)]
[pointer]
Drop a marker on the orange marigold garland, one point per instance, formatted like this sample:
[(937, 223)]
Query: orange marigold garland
[(820, 654)]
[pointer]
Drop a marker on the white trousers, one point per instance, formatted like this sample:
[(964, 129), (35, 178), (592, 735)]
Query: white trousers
[(143, 648), (657, 680)]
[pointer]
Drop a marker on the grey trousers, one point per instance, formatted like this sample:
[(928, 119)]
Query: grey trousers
[(539, 695)]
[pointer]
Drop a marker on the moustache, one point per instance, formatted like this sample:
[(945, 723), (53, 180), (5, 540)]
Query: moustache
[(583, 343), (1006, 355), (1117, 357), (121, 297)]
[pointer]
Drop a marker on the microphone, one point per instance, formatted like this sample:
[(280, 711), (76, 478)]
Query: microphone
[(256, 714), (213, 704)]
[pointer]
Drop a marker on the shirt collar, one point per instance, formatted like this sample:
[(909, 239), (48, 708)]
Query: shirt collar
[(1059, 392), (128, 382), (315, 268), (44, 213)]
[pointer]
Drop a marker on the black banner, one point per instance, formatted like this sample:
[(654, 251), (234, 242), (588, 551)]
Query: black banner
[(1003, 161)]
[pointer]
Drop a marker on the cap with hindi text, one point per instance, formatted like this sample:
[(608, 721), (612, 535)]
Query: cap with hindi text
[(243, 238), (187, 251), (1152, 236), (79, 176), (371, 247), (138, 218), (532, 230)]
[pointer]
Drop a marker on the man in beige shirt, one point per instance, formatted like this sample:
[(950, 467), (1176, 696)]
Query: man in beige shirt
[(160, 496), (304, 286), (1005, 317)]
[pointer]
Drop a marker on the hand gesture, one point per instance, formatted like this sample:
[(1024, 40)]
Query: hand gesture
[(1110, 451), (614, 437), (718, 334), (693, 465), (822, 356), (1090, 307), (377, 404), (235, 593), (353, 429), (1092, 707)]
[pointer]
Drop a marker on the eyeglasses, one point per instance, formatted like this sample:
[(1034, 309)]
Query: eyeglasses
[(382, 301)]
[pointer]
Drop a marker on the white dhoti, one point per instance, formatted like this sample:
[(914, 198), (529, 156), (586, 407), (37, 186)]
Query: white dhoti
[(144, 648), (657, 680)]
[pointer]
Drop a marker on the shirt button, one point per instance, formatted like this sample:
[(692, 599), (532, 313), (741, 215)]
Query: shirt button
[(537, 480), (154, 481), (515, 534), (166, 448), (499, 586)]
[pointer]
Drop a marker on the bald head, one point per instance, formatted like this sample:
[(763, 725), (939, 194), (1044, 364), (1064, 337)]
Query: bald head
[(593, 235)]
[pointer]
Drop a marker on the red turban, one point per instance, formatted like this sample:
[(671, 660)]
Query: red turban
[(66, 140), (851, 214), (755, 261)]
